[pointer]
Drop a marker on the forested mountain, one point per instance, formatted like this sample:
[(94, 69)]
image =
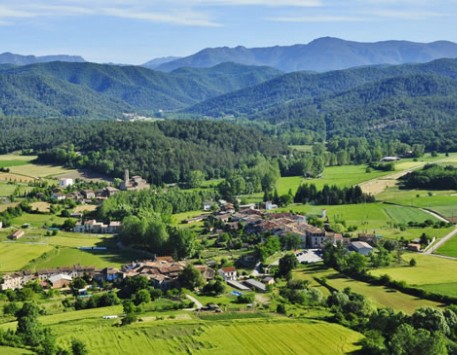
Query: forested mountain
[(17, 59), (106, 91), (323, 54), (154, 63)]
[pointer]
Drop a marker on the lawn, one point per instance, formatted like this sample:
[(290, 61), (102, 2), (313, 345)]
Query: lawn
[(38, 170), (37, 220), (431, 272)]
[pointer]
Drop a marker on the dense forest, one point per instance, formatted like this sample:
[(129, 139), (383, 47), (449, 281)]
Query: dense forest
[(162, 151), (432, 176), (331, 195), (62, 89)]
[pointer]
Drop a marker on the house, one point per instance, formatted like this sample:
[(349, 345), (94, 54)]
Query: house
[(88, 194), (389, 159), (228, 273), (16, 235), (1, 224), (60, 280), (65, 182), (361, 247), (414, 246), (270, 206), (268, 280), (255, 285), (206, 271), (92, 226), (110, 191), (58, 196), (207, 205), (111, 274)]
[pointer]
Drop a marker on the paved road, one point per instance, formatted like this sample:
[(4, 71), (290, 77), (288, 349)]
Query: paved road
[(441, 242), (198, 305)]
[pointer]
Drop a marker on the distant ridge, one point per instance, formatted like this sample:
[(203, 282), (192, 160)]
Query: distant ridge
[(320, 55), (18, 59), (154, 63)]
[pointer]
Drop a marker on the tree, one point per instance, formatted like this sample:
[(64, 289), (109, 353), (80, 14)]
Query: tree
[(78, 347), (142, 296), (190, 277), (287, 263)]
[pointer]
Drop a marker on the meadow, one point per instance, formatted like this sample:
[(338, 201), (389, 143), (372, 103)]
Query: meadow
[(432, 273), (449, 248)]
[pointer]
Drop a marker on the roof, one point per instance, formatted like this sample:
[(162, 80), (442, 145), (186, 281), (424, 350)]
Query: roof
[(255, 284), (361, 245), (228, 269), (55, 278), (237, 285)]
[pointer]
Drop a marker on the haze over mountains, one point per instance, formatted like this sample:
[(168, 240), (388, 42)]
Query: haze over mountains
[(18, 59), (323, 54)]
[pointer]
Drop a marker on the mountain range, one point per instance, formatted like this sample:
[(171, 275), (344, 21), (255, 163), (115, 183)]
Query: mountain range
[(323, 54), (106, 91), (18, 59)]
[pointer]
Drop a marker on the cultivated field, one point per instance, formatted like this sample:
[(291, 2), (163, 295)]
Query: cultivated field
[(376, 217), (449, 248)]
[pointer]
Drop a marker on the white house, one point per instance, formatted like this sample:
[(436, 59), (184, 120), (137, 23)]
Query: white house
[(63, 182), (228, 273)]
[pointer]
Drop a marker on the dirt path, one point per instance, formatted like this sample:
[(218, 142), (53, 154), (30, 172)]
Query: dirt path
[(198, 304)]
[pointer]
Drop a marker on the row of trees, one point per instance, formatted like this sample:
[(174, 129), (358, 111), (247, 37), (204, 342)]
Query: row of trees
[(432, 176), (331, 195)]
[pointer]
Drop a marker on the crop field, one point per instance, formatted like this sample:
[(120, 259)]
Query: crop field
[(431, 272), (40, 206), (449, 248), (16, 178), (442, 202), (82, 208), (378, 217), (382, 296), (171, 335)]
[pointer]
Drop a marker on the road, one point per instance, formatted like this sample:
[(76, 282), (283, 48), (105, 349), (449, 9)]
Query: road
[(198, 305), (441, 242)]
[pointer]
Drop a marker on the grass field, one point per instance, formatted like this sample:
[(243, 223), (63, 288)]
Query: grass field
[(15, 255), (443, 202), (37, 171), (378, 217), (259, 336), (431, 272), (449, 248), (382, 296), (6, 350)]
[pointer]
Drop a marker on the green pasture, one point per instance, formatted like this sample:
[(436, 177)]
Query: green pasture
[(37, 220), (446, 289), (443, 202), (375, 217), (431, 272), (381, 296), (302, 148), (6, 350), (15, 255), (449, 248), (71, 256)]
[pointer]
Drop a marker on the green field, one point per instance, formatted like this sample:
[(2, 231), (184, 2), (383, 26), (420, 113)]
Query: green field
[(376, 217), (15, 255), (260, 336), (443, 202), (382, 296), (431, 272), (449, 248)]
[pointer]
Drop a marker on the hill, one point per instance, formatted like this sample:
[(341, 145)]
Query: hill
[(106, 91), (323, 54), (18, 59), (371, 101)]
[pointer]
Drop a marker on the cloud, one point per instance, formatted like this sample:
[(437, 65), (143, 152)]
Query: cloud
[(317, 19), (269, 3)]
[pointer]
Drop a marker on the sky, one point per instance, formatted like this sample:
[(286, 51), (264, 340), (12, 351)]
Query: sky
[(135, 31)]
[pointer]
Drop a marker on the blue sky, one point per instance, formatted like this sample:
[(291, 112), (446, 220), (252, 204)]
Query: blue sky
[(135, 31)]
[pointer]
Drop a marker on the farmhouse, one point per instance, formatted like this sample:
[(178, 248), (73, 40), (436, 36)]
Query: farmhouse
[(228, 273), (361, 247), (92, 226), (65, 182), (16, 235), (60, 280)]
